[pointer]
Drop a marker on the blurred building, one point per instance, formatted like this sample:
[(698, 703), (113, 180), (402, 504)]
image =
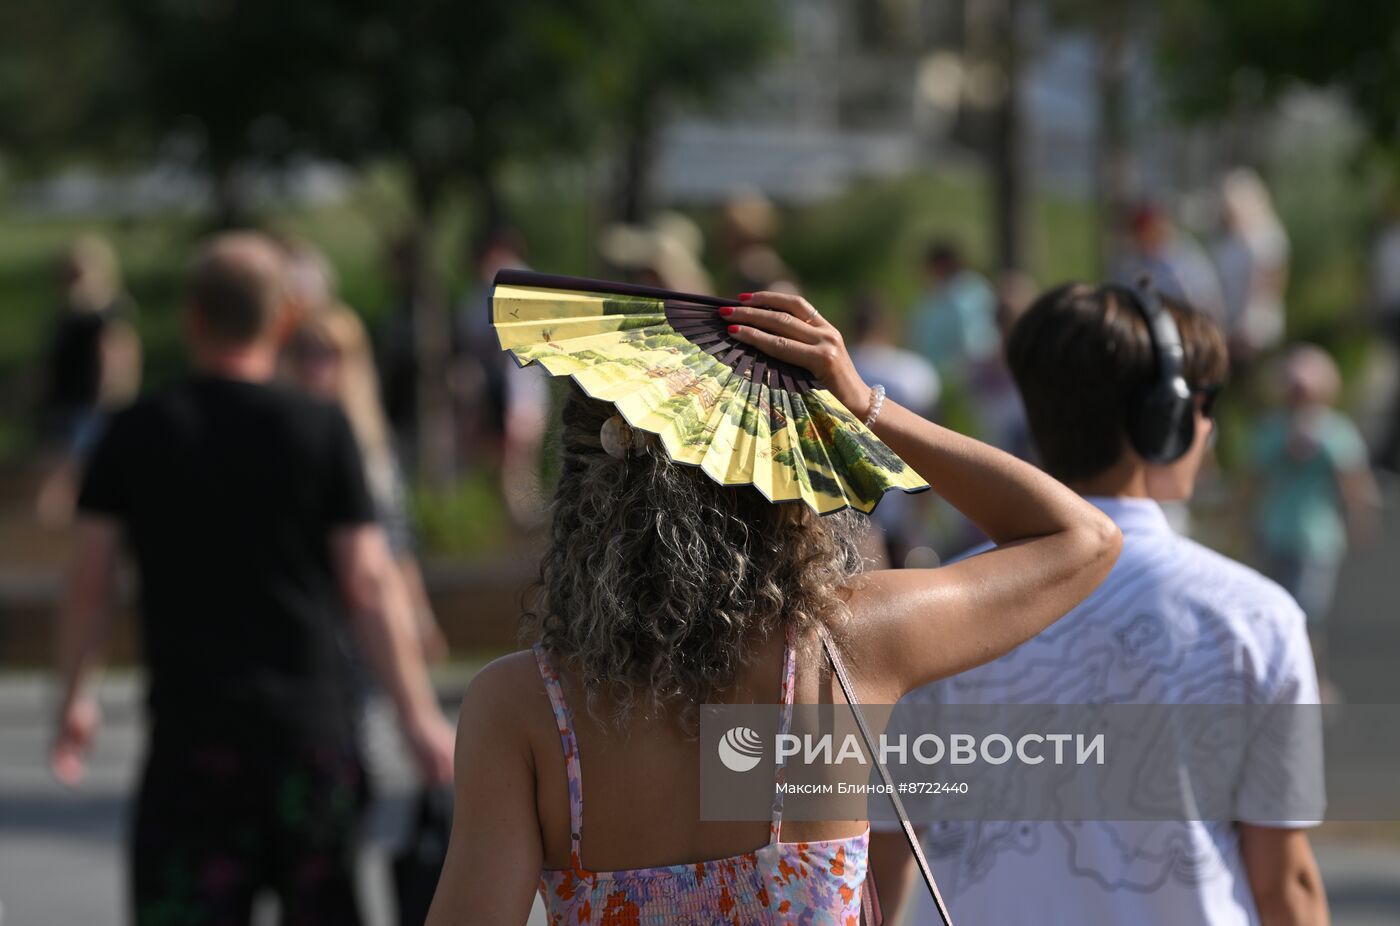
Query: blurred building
[(860, 88), (871, 88)]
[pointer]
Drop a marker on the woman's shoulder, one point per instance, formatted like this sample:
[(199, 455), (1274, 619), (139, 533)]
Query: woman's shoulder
[(498, 696), (514, 675)]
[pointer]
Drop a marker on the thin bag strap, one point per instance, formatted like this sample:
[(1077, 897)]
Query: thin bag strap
[(849, 691), (789, 688)]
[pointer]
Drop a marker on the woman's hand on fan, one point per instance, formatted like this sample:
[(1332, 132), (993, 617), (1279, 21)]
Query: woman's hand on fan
[(789, 328)]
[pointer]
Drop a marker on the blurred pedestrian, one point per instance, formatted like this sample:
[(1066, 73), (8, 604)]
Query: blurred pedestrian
[(311, 287), (504, 409), (1001, 418), (1179, 268), (954, 321), (312, 283), (257, 551), (1385, 310), (400, 341), (1314, 489), (92, 366), (329, 357), (1251, 258), (911, 381), (748, 223), (666, 252)]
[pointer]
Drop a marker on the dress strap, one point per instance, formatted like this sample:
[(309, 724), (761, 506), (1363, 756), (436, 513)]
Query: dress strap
[(564, 720), (784, 725)]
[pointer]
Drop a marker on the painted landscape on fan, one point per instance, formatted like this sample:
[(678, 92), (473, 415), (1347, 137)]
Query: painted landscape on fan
[(714, 403)]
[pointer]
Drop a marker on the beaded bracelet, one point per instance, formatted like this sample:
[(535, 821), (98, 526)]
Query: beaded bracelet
[(877, 399)]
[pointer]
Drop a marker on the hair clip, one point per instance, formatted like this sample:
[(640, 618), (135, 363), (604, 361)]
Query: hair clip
[(620, 439)]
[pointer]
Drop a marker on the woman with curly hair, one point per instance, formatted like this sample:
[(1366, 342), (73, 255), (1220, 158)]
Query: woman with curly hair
[(662, 591)]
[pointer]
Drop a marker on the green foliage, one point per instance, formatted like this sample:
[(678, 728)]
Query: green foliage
[(872, 236), (673, 51), (455, 90), (1223, 53), (58, 65), (468, 517)]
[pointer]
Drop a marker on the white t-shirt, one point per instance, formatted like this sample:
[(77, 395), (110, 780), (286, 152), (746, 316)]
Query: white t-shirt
[(908, 378), (1174, 623), (1253, 311)]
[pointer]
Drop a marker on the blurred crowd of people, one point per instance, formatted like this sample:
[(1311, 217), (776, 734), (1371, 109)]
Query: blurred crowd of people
[(941, 356)]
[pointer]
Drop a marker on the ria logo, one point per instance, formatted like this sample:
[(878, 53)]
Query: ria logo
[(740, 749)]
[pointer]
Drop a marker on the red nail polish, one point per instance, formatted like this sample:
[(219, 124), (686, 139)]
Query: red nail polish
[(733, 329), (727, 311), (745, 297)]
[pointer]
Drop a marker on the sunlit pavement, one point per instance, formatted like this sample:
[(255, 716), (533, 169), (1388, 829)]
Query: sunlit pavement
[(61, 850)]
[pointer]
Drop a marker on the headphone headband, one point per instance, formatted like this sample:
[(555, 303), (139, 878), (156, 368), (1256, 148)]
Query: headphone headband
[(1168, 351), (1161, 422)]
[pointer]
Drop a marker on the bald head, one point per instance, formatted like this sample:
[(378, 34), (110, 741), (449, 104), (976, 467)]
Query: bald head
[(237, 287)]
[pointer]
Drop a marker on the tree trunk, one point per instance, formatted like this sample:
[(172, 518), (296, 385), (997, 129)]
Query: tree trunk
[(999, 34), (1114, 186), (1010, 170), (633, 195), (432, 342), (490, 205), (230, 211)]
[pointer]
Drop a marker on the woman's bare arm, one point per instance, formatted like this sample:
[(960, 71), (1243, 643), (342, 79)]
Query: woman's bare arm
[(1053, 549), (918, 625), (495, 855)]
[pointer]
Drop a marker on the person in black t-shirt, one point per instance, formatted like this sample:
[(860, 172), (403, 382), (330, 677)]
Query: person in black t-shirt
[(92, 365), (245, 508)]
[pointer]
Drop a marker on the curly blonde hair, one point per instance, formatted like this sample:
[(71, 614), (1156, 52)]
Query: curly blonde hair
[(658, 581)]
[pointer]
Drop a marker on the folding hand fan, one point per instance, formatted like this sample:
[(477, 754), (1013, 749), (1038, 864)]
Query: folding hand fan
[(668, 364)]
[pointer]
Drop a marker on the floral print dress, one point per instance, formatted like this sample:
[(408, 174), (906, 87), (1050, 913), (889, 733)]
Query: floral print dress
[(779, 884)]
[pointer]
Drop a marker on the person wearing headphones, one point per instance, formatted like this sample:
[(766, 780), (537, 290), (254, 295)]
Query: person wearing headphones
[(1118, 386)]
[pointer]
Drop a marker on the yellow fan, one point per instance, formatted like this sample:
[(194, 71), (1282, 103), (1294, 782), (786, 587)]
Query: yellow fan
[(667, 363)]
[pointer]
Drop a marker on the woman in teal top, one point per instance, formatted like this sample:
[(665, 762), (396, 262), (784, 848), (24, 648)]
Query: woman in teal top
[(1315, 487)]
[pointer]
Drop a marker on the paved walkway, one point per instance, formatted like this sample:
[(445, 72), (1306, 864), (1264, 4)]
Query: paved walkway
[(60, 849)]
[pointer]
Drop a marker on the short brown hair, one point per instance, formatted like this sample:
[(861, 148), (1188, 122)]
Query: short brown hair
[(1082, 357), (237, 286)]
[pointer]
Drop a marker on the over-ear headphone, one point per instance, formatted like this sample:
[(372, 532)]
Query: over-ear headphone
[(1161, 422)]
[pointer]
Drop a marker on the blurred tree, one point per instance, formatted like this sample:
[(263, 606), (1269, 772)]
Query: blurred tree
[(452, 92), (999, 40), (654, 55), (1114, 25), (233, 79), (457, 91), (56, 59), (1010, 137), (1226, 55)]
